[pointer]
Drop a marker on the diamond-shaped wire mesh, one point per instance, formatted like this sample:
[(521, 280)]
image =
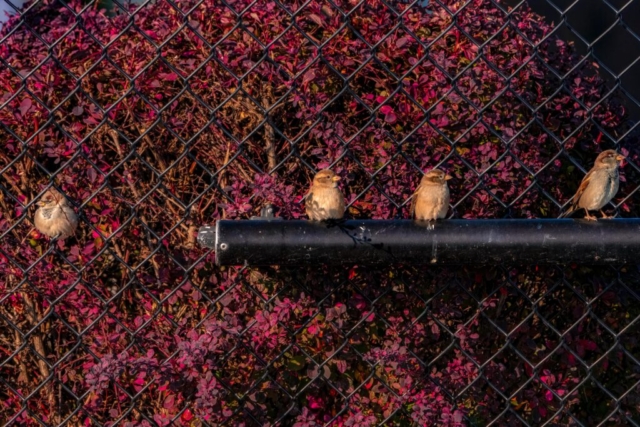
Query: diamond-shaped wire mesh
[(155, 118)]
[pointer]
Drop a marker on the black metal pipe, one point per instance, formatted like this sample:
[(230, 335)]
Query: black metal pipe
[(271, 242)]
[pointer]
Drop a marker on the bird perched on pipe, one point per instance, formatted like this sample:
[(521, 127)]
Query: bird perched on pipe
[(324, 200), (598, 186), (431, 198), (55, 218)]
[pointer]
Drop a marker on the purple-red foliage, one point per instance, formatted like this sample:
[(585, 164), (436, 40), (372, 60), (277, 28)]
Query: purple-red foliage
[(154, 123)]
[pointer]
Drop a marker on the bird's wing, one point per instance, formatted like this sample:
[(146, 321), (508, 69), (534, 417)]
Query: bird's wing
[(308, 200), (583, 186), (413, 197)]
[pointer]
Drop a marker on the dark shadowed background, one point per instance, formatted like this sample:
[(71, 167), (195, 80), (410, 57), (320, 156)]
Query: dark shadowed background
[(610, 29)]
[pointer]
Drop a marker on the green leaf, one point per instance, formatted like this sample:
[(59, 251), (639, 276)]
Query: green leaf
[(297, 363)]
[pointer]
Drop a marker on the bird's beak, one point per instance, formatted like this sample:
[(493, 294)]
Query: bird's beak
[(335, 178), (40, 203), (620, 157), (447, 177)]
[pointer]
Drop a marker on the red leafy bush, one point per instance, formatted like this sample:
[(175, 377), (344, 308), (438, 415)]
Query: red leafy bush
[(158, 121)]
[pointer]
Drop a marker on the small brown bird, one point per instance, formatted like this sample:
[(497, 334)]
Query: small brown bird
[(431, 198), (324, 199), (54, 217), (598, 186)]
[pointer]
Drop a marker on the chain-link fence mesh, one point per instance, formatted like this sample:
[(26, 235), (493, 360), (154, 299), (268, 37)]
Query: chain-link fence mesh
[(155, 118)]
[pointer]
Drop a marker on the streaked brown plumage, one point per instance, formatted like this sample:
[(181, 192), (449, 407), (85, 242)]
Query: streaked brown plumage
[(598, 186), (431, 198), (324, 200), (55, 218)]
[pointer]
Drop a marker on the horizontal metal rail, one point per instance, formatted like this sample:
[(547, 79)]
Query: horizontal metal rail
[(541, 241)]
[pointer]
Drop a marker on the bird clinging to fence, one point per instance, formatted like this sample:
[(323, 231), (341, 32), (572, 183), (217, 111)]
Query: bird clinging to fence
[(55, 218)]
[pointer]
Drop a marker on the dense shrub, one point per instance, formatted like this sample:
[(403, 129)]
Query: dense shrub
[(185, 112)]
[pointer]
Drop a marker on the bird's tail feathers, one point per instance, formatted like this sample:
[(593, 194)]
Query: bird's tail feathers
[(568, 212)]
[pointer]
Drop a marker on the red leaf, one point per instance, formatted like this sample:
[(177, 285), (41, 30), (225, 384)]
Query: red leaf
[(91, 173), (169, 77), (385, 109), (308, 76), (25, 106), (390, 118), (186, 416), (168, 402), (315, 18), (401, 42)]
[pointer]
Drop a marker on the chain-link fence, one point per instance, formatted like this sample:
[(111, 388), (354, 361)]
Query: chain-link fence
[(153, 119)]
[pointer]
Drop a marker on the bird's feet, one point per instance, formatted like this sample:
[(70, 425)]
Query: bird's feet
[(605, 216), (590, 217)]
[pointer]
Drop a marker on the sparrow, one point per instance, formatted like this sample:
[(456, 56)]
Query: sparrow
[(54, 217), (598, 186), (431, 198), (324, 199)]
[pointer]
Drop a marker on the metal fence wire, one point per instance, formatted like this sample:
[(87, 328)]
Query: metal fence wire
[(155, 118)]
